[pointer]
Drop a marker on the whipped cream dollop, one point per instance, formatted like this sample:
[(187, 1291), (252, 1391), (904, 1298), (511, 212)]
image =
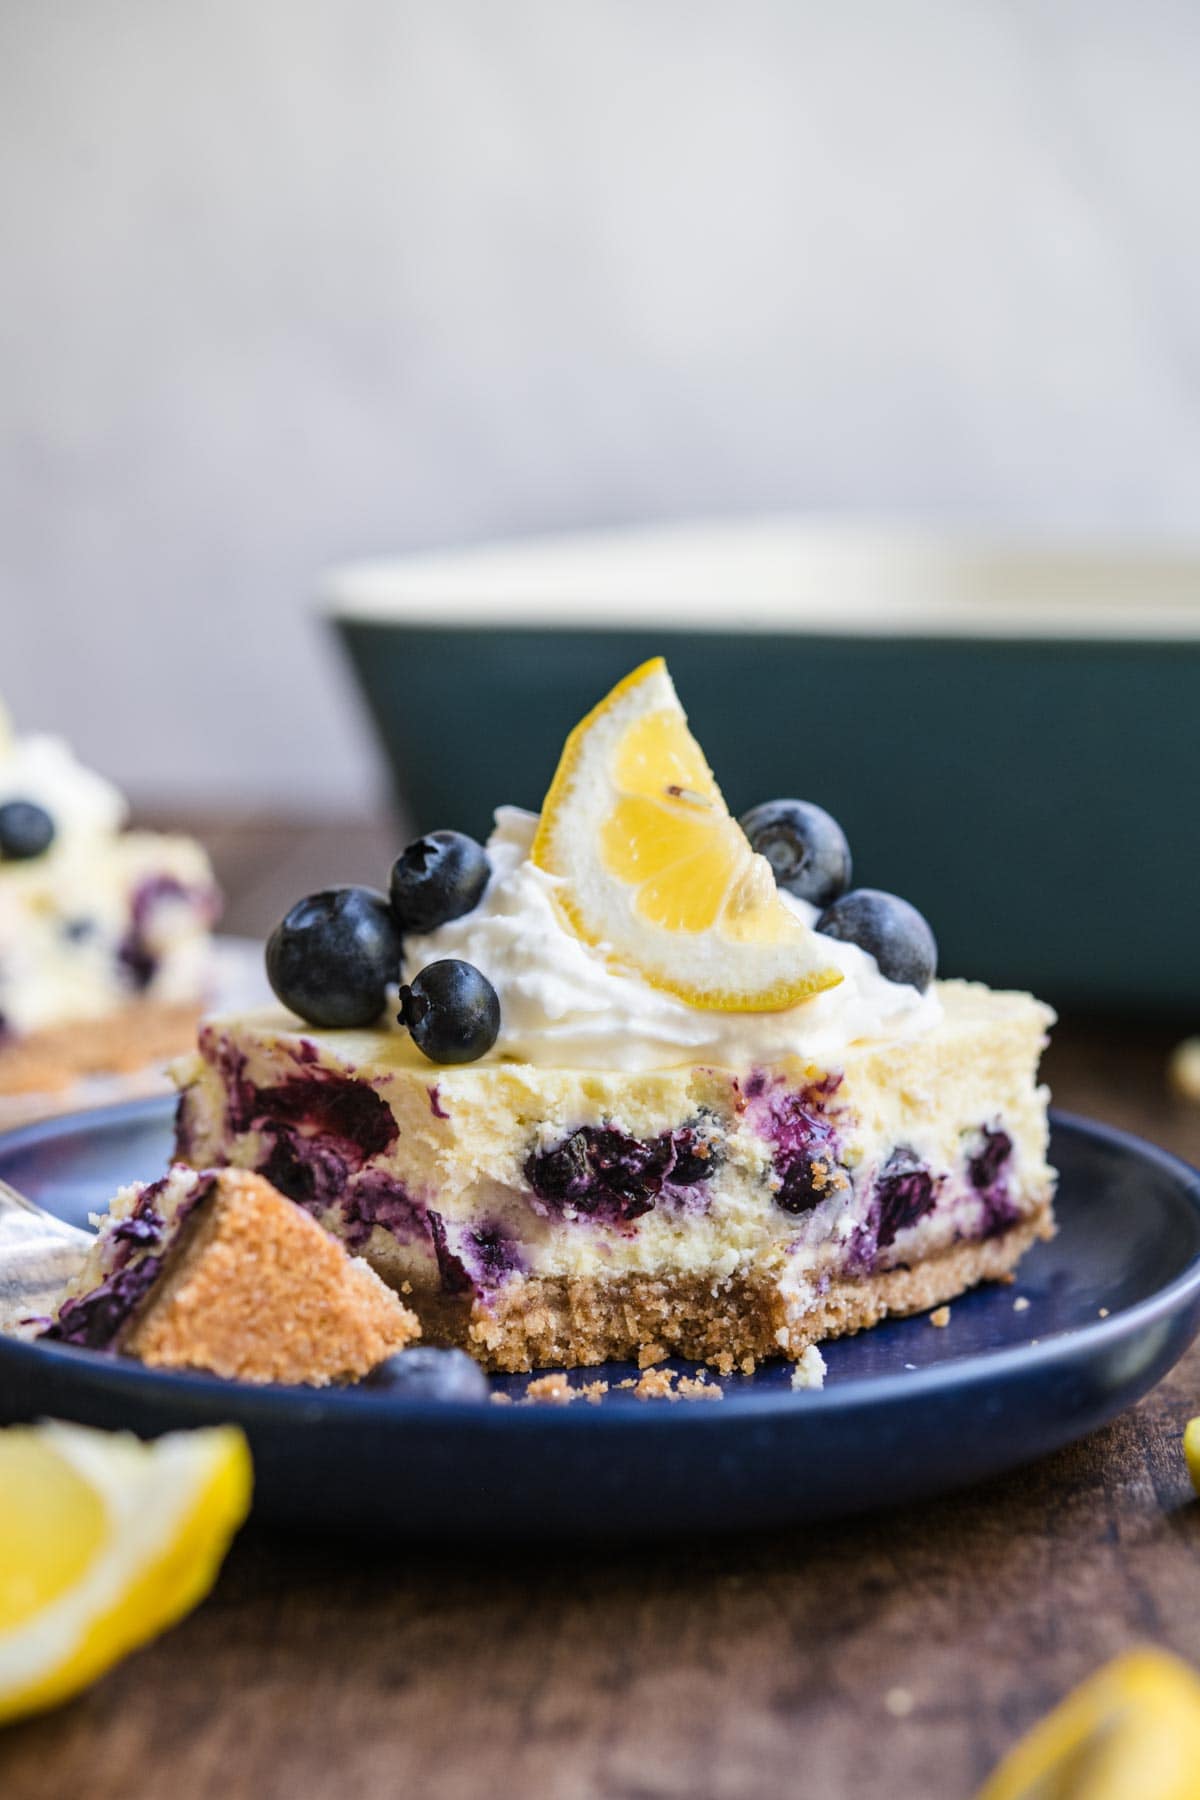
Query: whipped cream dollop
[(564, 1004)]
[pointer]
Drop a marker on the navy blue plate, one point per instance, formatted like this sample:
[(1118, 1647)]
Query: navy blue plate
[(907, 1410)]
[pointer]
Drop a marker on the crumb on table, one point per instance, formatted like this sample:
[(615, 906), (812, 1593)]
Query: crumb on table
[(941, 1317), (1021, 1304)]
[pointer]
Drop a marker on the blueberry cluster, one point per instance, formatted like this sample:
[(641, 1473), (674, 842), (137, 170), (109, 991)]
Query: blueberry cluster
[(26, 830), (808, 851), (334, 956)]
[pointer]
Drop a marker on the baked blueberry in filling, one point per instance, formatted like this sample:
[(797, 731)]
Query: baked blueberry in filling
[(614, 1178), (455, 1279), (905, 1192), (136, 962), (317, 1130), (985, 1163), (309, 1170), (805, 1145), (486, 1255), (377, 1198), (95, 1320), (987, 1167)]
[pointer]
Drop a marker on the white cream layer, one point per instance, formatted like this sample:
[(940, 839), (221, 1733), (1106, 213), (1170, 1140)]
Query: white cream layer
[(564, 1004)]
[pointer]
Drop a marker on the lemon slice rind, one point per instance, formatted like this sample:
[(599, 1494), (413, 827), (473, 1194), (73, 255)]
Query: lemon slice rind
[(654, 872), (170, 1509)]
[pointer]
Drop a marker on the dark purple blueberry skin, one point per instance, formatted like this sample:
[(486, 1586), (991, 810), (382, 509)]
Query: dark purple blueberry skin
[(425, 1373), (94, 1320), (377, 1198), (26, 830), (452, 1011), (438, 877), (332, 958), (610, 1176), (485, 1257), (986, 1162), (889, 929), (806, 1147), (904, 1191), (804, 1186), (987, 1166), (318, 1131), (804, 845)]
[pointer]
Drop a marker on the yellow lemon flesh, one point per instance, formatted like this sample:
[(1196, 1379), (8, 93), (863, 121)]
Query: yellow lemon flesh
[(653, 869), (1131, 1732), (105, 1541)]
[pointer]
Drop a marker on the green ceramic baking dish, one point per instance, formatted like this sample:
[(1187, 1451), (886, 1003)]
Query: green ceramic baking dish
[(1010, 736)]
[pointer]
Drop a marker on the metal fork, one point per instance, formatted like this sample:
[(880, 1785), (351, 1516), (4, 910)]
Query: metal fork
[(38, 1256)]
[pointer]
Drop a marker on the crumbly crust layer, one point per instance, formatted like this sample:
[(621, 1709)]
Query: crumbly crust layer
[(257, 1291), (140, 1032), (571, 1322)]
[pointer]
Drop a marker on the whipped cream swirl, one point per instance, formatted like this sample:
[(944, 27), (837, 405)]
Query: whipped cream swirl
[(563, 1004)]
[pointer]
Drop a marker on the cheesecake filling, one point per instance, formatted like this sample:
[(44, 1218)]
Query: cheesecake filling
[(466, 1183), (567, 1004)]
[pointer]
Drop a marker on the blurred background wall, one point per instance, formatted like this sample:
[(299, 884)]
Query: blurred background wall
[(286, 281)]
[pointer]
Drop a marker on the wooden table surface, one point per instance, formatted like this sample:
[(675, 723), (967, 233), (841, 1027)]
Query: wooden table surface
[(755, 1667)]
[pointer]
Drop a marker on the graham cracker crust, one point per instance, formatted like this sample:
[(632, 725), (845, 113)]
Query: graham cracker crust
[(537, 1322), (255, 1290), (141, 1032)]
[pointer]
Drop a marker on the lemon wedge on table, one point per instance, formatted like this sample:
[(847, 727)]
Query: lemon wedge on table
[(1130, 1732), (105, 1541), (655, 870)]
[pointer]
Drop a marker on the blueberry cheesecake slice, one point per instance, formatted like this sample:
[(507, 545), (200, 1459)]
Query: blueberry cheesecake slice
[(105, 933), (213, 1269), (637, 1077)]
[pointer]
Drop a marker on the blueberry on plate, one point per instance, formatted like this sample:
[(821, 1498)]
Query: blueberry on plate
[(429, 1374), (332, 957), (889, 929), (452, 1011), (438, 878), (805, 847), (26, 830)]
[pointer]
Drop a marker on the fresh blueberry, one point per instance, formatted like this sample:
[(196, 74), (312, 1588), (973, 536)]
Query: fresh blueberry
[(333, 956), (889, 929), (429, 1374), (438, 878), (452, 1011), (804, 846), (26, 830)]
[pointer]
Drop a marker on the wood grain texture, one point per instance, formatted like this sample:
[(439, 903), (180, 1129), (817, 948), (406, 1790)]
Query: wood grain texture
[(737, 1670)]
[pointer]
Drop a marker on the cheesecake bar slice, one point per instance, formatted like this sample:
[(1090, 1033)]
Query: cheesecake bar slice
[(213, 1269), (105, 932), (560, 1216)]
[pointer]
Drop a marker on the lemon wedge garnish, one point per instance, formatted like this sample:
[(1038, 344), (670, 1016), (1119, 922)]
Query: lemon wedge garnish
[(1130, 1732), (1191, 1451), (653, 868), (105, 1541)]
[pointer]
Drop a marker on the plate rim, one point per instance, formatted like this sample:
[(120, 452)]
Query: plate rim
[(314, 1406)]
